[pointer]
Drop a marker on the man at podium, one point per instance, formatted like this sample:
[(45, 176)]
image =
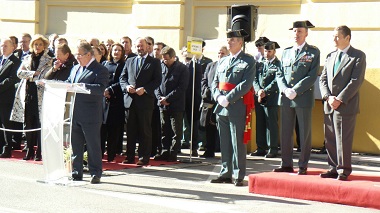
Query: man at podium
[(87, 117)]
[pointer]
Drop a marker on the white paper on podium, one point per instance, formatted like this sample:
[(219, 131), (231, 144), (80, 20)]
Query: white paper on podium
[(52, 134)]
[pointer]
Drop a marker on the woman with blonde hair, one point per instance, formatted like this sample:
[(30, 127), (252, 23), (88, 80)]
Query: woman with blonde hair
[(28, 100)]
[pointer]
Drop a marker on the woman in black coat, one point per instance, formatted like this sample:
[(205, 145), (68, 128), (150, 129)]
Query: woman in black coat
[(112, 130), (62, 64), (33, 68)]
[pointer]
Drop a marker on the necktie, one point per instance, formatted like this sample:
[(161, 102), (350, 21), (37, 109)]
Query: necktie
[(337, 62), (3, 61), (232, 60), (78, 74), (297, 51), (140, 62)]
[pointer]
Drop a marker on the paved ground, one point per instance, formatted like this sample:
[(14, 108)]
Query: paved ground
[(176, 188)]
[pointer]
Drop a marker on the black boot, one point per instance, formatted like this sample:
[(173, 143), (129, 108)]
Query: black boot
[(7, 152), (38, 154), (29, 154)]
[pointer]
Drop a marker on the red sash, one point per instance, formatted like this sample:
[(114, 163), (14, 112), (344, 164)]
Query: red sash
[(249, 103)]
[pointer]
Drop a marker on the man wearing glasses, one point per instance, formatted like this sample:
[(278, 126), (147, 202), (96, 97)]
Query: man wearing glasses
[(150, 42), (87, 118)]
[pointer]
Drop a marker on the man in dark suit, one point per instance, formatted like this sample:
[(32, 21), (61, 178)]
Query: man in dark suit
[(232, 88), (296, 86), (88, 115), (171, 100), (340, 81), (203, 60), (127, 44), (140, 77), (189, 107), (9, 65), (266, 101), (208, 117)]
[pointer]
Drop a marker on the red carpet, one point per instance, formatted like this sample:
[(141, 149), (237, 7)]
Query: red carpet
[(117, 163), (17, 155), (359, 190)]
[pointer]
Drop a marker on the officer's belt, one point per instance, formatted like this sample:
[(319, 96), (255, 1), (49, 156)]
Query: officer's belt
[(248, 101)]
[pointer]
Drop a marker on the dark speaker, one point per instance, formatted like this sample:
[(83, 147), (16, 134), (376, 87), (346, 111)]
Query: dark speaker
[(244, 17)]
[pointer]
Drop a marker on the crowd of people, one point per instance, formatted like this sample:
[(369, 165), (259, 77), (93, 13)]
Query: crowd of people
[(165, 101)]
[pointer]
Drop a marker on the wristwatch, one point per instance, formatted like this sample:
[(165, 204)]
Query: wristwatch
[(325, 97)]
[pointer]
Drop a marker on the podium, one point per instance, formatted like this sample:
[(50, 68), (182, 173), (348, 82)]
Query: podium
[(56, 121)]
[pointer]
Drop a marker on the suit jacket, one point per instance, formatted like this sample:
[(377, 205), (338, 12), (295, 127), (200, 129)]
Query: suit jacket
[(265, 79), (174, 83), (208, 102), (88, 107), (240, 73), (299, 72), (204, 62), (196, 89), (148, 77), (8, 79), (207, 81), (346, 82), (116, 101)]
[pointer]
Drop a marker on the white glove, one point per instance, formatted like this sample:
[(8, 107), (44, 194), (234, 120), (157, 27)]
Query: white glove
[(292, 94), (222, 101)]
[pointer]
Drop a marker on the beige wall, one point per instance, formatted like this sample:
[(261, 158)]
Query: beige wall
[(172, 21)]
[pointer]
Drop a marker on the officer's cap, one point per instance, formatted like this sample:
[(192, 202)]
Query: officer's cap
[(271, 45), (261, 41), (303, 24), (237, 33)]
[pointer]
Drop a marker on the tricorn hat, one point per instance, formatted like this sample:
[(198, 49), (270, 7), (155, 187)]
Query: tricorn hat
[(271, 45), (303, 24), (237, 33), (261, 41)]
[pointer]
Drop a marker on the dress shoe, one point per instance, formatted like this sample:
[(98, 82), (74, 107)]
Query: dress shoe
[(6, 153), (129, 161), (29, 154), (271, 155), (95, 179), (208, 155), (194, 153), (221, 180), (284, 169), (342, 177), (329, 174), (238, 182), (258, 153), (110, 159), (302, 171), (162, 157), (322, 151), (142, 163), (76, 177), (298, 149)]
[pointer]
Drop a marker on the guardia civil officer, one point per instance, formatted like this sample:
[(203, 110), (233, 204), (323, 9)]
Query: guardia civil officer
[(266, 102), (300, 64), (232, 88)]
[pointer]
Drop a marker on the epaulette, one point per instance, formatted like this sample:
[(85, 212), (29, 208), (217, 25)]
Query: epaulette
[(314, 47), (288, 48), (248, 54)]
